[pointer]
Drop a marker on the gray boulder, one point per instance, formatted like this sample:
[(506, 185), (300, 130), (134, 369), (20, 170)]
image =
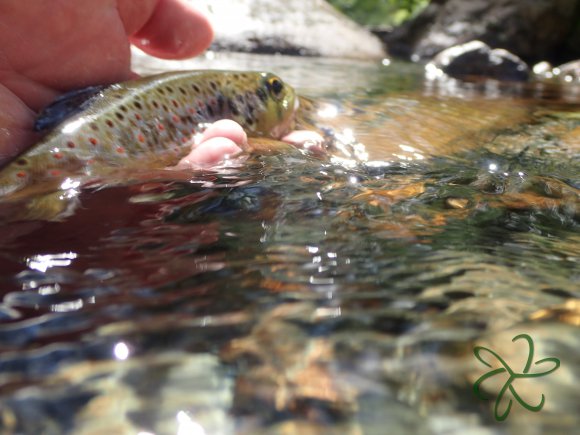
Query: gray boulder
[(476, 58), (534, 30), (305, 27)]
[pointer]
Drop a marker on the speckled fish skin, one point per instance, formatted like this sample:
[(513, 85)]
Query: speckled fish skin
[(157, 114)]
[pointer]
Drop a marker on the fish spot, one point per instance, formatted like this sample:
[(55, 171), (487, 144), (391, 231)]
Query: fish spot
[(160, 127), (161, 91), (175, 103), (123, 108), (165, 107), (209, 109), (137, 105), (21, 174), (182, 90), (191, 110), (213, 85), (110, 123), (175, 119), (169, 89), (55, 173), (120, 150), (70, 144), (196, 88), (249, 121), (138, 117), (220, 102), (119, 116), (94, 126), (262, 95), (93, 141), (233, 108), (57, 156), (155, 104), (141, 138)]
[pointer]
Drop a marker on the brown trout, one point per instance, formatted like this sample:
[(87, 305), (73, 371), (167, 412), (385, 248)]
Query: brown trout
[(149, 116)]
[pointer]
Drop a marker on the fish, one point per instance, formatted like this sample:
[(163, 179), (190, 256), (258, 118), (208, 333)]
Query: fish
[(121, 124)]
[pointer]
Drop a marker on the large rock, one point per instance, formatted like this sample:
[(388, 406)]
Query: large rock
[(534, 30), (306, 27), (476, 58)]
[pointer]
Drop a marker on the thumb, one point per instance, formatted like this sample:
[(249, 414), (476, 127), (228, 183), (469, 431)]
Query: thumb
[(174, 30)]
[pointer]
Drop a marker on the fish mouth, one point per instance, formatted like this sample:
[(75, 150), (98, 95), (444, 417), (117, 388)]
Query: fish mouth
[(287, 125)]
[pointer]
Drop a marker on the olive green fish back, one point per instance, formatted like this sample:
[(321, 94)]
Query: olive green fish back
[(157, 114)]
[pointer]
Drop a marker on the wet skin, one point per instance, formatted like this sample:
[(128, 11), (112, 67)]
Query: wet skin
[(42, 58)]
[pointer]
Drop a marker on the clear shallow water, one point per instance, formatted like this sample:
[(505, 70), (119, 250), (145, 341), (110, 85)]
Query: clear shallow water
[(297, 295)]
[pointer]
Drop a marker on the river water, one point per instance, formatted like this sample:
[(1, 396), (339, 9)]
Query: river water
[(292, 294)]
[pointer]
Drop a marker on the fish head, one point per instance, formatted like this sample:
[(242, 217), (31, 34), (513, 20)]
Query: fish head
[(279, 106)]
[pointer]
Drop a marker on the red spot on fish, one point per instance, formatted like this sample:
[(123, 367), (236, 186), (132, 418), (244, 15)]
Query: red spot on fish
[(138, 117), (55, 173), (184, 139), (120, 150), (175, 103), (57, 155), (90, 161), (21, 174), (191, 110), (140, 138), (175, 119), (110, 123), (160, 127), (93, 141), (70, 144)]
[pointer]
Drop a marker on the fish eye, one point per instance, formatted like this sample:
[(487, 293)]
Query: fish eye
[(275, 86)]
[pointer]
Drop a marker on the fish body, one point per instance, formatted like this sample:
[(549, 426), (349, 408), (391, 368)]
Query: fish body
[(152, 116)]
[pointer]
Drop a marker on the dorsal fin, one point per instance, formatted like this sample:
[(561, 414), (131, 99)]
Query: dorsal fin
[(66, 106)]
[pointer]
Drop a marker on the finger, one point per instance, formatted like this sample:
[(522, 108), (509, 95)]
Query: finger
[(135, 13), (306, 139), (228, 129), (174, 31), (208, 153)]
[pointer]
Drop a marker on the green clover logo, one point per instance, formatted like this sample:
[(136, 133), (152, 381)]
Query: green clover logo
[(513, 376)]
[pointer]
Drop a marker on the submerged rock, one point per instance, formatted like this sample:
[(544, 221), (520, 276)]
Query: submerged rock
[(570, 71), (298, 27), (534, 30), (476, 58)]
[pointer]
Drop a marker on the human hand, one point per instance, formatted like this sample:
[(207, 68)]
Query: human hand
[(49, 48), (52, 47)]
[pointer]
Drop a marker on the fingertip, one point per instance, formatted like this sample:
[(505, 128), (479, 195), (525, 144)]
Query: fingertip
[(307, 140), (226, 128), (175, 31), (210, 152)]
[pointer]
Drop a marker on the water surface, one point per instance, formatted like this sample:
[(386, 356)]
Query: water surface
[(293, 294)]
